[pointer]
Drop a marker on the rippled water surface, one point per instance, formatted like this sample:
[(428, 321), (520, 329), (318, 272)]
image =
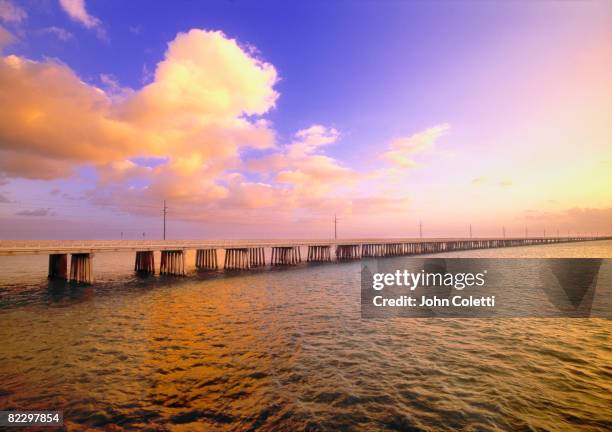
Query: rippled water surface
[(287, 350)]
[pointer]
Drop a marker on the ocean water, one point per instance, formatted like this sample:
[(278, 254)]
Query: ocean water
[(286, 350)]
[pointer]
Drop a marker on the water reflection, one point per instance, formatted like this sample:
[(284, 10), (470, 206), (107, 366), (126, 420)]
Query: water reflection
[(287, 350)]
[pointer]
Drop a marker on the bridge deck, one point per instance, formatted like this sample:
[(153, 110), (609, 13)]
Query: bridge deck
[(26, 247)]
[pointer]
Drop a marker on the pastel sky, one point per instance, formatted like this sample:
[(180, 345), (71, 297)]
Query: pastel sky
[(264, 119)]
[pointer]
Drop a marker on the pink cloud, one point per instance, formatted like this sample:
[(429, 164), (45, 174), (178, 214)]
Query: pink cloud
[(9, 12), (402, 150), (206, 103), (6, 38), (77, 11)]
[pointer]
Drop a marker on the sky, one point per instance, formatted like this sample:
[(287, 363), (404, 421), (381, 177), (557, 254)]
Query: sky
[(267, 119)]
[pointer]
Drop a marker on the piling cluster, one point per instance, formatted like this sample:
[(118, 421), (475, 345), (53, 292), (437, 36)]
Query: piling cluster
[(236, 259), (251, 256), (206, 259), (319, 254), (348, 252), (285, 255), (58, 266), (172, 263), (81, 268), (257, 257), (145, 262)]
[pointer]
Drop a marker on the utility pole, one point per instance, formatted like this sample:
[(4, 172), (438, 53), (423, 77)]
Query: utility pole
[(335, 227), (420, 229), (544, 232), (526, 232), (165, 211), (557, 232), (504, 232), (121, 235), (470, 230)]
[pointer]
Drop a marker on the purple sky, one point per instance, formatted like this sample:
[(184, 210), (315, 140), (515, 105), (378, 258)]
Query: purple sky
[(265, 120)]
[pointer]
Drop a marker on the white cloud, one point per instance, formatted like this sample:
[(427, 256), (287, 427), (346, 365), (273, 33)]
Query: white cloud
[(60, 33)]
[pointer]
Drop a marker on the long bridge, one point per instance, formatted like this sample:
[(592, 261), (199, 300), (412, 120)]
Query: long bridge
[(246, 254)]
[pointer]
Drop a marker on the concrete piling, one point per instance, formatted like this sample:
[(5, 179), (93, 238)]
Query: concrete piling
[(206, 259), (257, 257), (58, 266), (285, 255), (347, 252), (172, 263), (236, 259), (251, 255), (145, 262), (81, 268), (319, 254)]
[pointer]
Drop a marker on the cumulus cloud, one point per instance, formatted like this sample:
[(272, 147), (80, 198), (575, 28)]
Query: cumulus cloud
[(301, 166), (11, 13), (204, 107), (205, 74), (311, 139), (77, 11), (56, 121), (198, 109), (403, 149)]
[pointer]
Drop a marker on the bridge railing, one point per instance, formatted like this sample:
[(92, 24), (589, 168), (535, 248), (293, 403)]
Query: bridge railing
[(130, 244)]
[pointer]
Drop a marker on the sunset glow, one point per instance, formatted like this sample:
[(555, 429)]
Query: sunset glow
[(494, 115)]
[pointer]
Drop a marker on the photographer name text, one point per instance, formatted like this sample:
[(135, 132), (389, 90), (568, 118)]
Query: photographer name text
[(412, 281)]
